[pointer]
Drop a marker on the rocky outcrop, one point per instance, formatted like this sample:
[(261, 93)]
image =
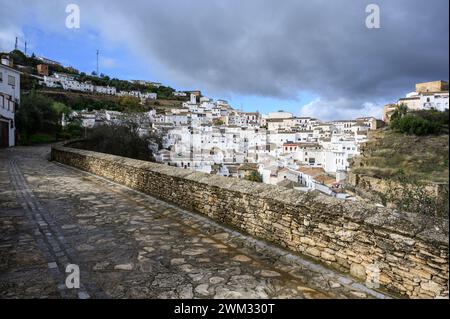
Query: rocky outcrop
[(403, 252)]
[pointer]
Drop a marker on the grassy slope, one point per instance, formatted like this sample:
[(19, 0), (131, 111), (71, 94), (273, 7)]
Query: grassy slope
[(388, 152), (161, 105), (54, 93)]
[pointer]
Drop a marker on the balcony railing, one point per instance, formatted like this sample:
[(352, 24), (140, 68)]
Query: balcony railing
[(7, 105)]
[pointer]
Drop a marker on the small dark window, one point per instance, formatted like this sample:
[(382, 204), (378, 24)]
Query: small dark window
[(11, 80)]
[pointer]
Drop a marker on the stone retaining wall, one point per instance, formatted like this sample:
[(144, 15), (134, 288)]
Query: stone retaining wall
[(407, 253)]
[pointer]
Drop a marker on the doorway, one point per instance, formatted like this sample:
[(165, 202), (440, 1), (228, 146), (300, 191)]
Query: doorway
[(4, 134)]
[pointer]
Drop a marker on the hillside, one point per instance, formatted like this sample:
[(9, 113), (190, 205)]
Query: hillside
[(404, 171), (90, 101), (420, 157), (27, 64)]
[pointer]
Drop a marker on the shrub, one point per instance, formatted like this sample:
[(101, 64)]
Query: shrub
[(121, 140), (413, 124), (36, 115), (129, 104), (411, 195), (254, 177), (434, 116), (74, 129)]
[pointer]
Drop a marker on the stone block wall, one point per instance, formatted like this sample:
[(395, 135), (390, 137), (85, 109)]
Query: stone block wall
[(406, 253)]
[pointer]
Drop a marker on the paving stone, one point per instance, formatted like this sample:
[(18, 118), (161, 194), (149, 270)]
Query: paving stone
[(241, 258), (124, 267), (177, 261), (83, 295), (269, 273), (194, 251), (202, 289), (130, 245), (52, 265), (216, 280)]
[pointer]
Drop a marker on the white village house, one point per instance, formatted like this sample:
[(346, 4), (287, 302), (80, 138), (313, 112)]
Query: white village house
[(9, 102)]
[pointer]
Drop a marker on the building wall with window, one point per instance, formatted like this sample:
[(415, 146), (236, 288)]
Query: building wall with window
[(9, 100)]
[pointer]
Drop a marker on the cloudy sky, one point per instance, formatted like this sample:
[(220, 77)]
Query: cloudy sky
[(310, 57)]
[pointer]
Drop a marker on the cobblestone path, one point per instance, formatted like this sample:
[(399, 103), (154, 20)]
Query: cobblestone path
[(130, 245)]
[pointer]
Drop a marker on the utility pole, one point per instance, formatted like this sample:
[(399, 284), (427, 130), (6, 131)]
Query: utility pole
[(97, 63)]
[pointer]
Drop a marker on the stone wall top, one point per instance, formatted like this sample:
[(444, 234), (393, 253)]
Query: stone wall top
[(429, 229)]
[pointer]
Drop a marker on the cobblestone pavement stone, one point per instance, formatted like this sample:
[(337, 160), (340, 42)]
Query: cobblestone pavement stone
[(130, 245)]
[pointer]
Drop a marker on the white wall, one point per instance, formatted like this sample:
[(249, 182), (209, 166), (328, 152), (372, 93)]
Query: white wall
[(9, 94), (13, 91)]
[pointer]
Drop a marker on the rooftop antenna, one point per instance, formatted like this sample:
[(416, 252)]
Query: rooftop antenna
[(97, 61)]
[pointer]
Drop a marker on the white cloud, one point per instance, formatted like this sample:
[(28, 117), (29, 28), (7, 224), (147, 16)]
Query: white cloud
[(8, 36), (340, 109), (263, 48), (107, 63)]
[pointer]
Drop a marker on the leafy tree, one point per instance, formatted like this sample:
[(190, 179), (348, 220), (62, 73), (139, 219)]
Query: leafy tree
[(72, 130), (129, 104), (34, 115), (434, 116), (18, 57), (415, 125), (60, 108), (399, 112), (122, 140), (421, 122), (254, 177), (27, 82), (218, 122)]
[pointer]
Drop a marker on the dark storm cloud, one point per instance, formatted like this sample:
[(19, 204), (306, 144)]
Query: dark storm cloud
[(277, 48)]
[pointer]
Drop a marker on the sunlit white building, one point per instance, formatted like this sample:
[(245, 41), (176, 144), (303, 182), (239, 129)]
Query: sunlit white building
[(9, 101)]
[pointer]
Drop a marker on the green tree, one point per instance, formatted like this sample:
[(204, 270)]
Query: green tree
[(411, 124), (254, 177), (129, 104), (71, 131), (34, 115), (122, 140), (399, 112), (60, 109), (18, 57), (218, 122)]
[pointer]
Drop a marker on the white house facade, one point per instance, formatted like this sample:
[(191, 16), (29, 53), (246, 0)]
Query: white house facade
[(9, 101)]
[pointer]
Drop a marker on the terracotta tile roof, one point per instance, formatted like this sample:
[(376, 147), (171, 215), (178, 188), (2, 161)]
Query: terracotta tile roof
[(311, 171), (325, 179)]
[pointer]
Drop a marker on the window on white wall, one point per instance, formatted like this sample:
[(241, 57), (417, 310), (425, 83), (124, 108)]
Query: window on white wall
[(11, 80)]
